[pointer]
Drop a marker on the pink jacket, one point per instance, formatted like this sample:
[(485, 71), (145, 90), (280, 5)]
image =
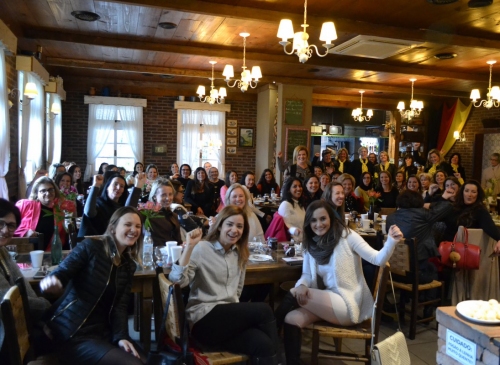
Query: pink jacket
[(30, 212)]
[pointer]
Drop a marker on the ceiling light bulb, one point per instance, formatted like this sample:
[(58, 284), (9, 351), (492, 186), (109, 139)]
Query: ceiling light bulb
[(285, 30), (328, 32)]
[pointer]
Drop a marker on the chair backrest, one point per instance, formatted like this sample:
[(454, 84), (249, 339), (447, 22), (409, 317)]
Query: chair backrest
[(404, 260), (379, 296), (173, 322), (17, 337), (72, 233), (27, 244)]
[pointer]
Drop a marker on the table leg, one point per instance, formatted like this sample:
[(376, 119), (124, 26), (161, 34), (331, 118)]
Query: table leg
[(145, 333)]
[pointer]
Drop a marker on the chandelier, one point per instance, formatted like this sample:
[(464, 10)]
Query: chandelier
[(247, 78), (300, 45), (357, 113), (216, 96), (416, 106), (493, 95)]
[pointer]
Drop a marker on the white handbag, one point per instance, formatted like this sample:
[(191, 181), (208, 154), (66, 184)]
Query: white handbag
[(393, 350)]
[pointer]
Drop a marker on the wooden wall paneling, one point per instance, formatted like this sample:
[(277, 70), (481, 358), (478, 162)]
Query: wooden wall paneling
[(478, 156)]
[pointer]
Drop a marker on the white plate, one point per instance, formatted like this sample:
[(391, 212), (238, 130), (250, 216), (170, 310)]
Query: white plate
[(463, 307), (369, 230), (260, 258)]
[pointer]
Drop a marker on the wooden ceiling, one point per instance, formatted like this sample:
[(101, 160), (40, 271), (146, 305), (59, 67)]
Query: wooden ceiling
[(127, 50)]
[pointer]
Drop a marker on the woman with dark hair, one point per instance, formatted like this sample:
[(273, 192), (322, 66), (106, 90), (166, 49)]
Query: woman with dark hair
[(89, 323), (388, 193), (334, 195), (34, 215), (456, 165), (332, 253), (363, 188), (199, 194), (352, 202), (102, 168), (408, 167), (231, 178), (215, 271), (101, 204), (312, 190), (10, 218), (166, 228), (469, 211), (66, 187), (57, 168), (400, 181), (138, 168), (413, 183), (185, 171), (248, 180), (76, 173), (267, 182), (174, 172), (291, 208)]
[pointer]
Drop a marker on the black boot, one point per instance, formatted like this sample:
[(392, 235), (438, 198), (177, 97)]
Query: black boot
[(293, 343), (288, 304), (270, 330)]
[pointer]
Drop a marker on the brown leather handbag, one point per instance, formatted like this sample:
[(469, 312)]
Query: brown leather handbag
[(460, 255)]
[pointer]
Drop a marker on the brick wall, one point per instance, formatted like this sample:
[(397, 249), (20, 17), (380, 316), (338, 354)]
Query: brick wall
[(472, 127), (12, 176), (160, 127)]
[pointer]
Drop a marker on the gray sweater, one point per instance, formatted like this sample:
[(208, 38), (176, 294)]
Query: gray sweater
[(214, 277)]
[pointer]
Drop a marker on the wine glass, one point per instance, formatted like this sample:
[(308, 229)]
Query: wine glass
[(158, 255)]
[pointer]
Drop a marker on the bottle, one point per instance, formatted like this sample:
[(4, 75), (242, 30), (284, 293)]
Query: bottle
[(147, 252), (273, 195), (56, 247)]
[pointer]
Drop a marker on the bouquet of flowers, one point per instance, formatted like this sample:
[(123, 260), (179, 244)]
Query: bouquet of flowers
[(490, 188), (62, 208), (70, 194), (373, 197), (149, 210)]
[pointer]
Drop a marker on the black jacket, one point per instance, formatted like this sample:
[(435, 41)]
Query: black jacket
[(85, 274), (357, 168)]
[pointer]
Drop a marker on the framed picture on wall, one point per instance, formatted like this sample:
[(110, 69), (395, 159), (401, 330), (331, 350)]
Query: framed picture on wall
[(159, 150), (231, 141), (233, 132), (231, 150), (232, 123), (246, 137)]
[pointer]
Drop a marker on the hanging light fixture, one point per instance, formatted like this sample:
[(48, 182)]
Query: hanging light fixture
[(247, 78), (416, 106), (357, 113), (493, 95), (300, 45), (216, 96)]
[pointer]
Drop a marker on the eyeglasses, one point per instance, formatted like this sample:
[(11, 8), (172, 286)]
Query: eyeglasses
[(50, 191), (10, 226)]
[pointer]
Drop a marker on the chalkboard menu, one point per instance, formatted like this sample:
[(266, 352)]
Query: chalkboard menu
[(295, 137), (294, 111)]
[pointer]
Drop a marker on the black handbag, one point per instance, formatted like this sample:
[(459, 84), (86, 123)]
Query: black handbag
[(165, 355)]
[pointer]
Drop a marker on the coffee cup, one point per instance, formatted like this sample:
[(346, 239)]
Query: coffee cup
[(384, 217), (375, 216), (36, 258), (176, 253), (383, 226), (366, 223), (364, 216), (169, 245)]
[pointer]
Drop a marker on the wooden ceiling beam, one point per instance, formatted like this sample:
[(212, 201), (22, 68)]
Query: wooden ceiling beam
[(134, 68), (218, 52), (342, 24)]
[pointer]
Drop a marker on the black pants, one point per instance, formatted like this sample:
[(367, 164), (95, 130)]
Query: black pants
[(237, 327)]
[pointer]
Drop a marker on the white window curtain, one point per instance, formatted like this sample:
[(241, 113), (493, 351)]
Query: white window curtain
[(101, 123), (30, 142), (131, 120), (4, 128), (190, 130), (54, 133)]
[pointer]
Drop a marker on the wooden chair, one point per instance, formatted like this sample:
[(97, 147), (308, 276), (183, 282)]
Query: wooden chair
[(15, 315), (404, 262), (27, 244), (175, 323), (360, 331)]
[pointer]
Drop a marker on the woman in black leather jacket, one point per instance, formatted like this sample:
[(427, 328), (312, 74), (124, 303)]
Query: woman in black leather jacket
[(88, 323)]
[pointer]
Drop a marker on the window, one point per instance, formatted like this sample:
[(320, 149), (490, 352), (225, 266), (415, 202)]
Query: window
[(201, 138), (117, 150)]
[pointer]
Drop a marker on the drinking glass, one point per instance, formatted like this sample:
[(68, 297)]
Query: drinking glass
[(12, 251), (158, 256)]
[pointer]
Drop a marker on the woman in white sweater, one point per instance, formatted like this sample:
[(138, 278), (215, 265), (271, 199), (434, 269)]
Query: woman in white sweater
[(292, 208), (332, 253)]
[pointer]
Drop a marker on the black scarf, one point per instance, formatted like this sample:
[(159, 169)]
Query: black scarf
[(322, 248)]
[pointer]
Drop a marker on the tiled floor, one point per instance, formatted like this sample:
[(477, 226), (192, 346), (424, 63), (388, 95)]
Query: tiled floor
[(422, 349)]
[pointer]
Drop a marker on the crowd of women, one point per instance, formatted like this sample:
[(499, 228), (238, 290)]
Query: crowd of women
[(88, 322)]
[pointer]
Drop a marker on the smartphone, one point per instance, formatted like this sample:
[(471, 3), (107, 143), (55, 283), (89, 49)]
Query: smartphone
[(40, 274)]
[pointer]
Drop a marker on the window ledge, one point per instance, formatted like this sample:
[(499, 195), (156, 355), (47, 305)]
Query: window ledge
[(202, 106), (110, 100)]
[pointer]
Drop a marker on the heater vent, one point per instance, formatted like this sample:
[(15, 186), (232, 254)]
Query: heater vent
[(373, 47)]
